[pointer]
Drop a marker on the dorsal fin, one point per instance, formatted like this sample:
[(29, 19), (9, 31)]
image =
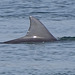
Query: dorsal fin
[(37, 29), (37, 33)]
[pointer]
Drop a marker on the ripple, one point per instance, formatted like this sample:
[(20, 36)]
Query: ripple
[(17, 9)]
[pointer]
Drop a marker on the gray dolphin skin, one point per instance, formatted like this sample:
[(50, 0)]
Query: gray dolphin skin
[(37, 32)]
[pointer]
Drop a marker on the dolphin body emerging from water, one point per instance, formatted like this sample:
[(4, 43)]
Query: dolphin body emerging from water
[(37, 33)]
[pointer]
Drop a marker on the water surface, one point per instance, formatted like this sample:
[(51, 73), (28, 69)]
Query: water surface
[(57, 58)]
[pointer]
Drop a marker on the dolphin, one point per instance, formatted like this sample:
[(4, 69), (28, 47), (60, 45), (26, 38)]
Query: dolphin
[(37, 32)]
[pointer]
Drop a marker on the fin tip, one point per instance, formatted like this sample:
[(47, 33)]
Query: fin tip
[(30, 17)]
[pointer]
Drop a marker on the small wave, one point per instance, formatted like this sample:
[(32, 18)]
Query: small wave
[(67, 38), (1, 43)]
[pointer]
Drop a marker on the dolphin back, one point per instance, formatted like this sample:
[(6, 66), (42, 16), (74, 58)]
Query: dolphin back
[(37, 32)]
